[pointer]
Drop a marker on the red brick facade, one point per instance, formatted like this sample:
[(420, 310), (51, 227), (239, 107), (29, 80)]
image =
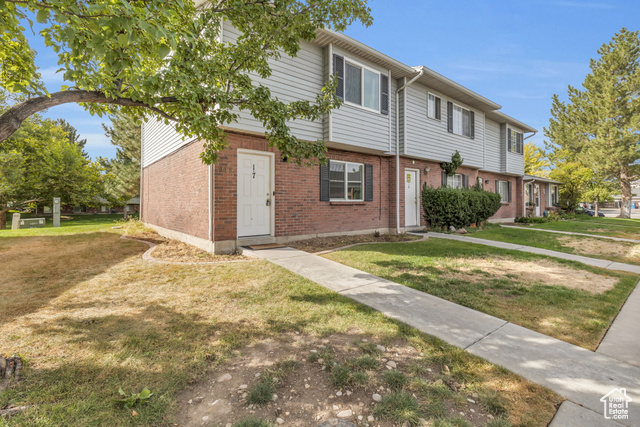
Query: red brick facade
[(175, 193)]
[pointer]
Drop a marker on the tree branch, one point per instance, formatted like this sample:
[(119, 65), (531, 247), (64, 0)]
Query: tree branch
[(11, 120)]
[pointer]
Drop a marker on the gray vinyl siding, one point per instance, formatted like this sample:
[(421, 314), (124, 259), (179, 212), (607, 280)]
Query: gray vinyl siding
[(503, 147), (492, 146), (292, 79), (354, 125), (515, 161), (428, 138), (158, 140), (401, 120)]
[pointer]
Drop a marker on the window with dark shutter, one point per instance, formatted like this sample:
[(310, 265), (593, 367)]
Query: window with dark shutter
[(508, 139), (472, 124), (338, 72), (324, 183), (444, 179), (520, 143), (509, 191), (450, 116), (384, 94), (368, 183)]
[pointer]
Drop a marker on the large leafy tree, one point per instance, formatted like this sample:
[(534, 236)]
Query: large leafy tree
[(39, 162), (165, 59), (600, 123), (535, 160), (122, 177)]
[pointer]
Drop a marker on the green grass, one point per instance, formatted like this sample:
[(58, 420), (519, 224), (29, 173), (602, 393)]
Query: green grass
[(615, 227), (588, 246), (69, 224), (446, 269), (89, 316)]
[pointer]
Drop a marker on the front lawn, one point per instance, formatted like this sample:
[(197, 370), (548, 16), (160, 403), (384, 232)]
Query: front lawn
[(625, 252), (563, 299), (69, 224), (89, 316), (614, 227)]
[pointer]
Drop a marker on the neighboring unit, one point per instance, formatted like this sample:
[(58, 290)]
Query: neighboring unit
[(540, 195), (387, 140)]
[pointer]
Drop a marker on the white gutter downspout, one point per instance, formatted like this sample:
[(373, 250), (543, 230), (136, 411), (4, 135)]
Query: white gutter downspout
[(398, 144)]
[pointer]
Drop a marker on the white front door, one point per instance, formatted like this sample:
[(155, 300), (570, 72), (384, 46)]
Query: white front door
[(536, 192), (411, 198), (254, 194)]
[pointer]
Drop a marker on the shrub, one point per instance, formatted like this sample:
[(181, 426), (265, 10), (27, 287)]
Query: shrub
[(458, 207)]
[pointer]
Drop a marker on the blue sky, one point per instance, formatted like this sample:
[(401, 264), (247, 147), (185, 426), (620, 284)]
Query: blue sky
[(517, 53)]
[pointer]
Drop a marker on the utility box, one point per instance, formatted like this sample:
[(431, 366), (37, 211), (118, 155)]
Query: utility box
[(32, 223), (15, 221)]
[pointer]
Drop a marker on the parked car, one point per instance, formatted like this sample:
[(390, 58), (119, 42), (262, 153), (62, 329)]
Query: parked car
[(584, 211), (591, 212)]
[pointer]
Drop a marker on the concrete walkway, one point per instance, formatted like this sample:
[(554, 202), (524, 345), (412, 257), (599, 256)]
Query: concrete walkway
[(595, 236), (512, 246), (581, 376)]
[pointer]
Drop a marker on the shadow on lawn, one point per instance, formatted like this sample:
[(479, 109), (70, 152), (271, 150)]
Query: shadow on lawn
[(36, 270)]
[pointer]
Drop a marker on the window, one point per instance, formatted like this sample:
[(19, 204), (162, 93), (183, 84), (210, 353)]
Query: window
[(480, 183), (433, 107), (553, 195), (345, 181), (515, 142), (460, 120), (504, 189), (455, 181), (361, 86)]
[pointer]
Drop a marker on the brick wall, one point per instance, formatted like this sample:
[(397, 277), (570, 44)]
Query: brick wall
[(176, 192)]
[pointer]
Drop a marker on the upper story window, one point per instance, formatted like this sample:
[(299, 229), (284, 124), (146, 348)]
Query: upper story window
[(360, 85), (515, 141), (346, 180), (433, 107), (460, 120)]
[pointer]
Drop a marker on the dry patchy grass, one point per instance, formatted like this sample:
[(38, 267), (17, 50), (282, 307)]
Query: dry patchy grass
[(620, 251), (89, 316)]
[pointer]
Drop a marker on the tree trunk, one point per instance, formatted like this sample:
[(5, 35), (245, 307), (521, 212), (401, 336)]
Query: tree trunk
[(12, 119), (596, 206), (3, 218), (625, 199)]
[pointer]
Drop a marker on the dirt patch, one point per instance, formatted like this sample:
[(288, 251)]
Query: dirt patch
[(326, 243), (308, 395), (595, 247), (528, 272), (175, 251)]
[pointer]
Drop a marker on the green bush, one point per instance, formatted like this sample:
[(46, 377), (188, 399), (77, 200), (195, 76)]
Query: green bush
[(458, 207)]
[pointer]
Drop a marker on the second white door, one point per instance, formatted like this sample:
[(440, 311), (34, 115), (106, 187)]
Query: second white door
[(411, 198)]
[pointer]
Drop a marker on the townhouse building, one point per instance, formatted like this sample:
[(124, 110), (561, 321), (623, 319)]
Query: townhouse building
[(396, 126)]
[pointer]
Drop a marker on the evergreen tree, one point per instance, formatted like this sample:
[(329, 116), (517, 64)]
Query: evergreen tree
[(599, 125), (74, 136), (122, 178)]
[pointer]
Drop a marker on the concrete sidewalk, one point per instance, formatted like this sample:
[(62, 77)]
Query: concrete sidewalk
[(579, 375), (515, 247), (596, 236)]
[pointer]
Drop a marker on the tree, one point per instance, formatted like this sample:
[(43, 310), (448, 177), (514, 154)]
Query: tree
[(165, 59), (599, 191), (574, 179), (535, 160), (38, 163), (600, 123), (74, 136), (122, 177)]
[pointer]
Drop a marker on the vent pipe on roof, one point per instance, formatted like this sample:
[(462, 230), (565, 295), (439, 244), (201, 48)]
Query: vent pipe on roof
[(420, 73)]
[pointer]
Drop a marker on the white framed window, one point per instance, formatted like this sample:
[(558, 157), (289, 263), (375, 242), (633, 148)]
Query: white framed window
[(362, 86), (462, 121), (434, 107), (515, 141), (503, 190), (346, 181), (455, 181), (553, 195)]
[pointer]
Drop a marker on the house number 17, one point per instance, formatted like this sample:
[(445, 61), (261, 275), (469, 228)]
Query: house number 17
[(254, 172)]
